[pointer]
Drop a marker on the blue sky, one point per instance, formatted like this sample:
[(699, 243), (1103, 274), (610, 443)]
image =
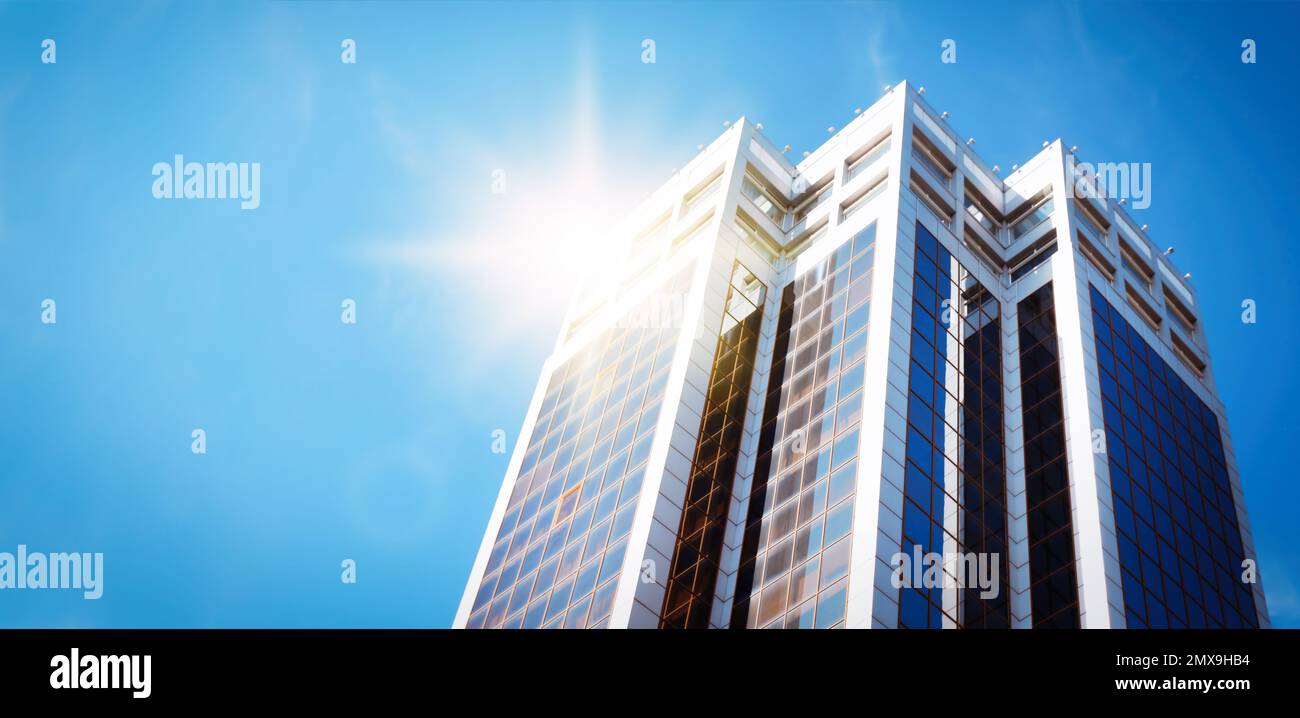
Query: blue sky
[(372, 441)]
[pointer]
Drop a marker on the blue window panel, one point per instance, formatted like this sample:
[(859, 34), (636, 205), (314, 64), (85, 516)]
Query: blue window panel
[(913, 609)]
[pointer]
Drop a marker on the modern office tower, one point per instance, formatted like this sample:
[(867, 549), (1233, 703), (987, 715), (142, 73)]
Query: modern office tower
[(883, 387)]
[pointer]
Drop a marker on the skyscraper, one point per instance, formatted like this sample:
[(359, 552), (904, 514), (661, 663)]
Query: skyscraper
[(883, 387)]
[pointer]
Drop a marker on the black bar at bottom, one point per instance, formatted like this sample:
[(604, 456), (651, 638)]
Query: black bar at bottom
[(494, 669)]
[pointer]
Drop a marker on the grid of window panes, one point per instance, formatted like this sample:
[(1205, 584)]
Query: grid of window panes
[(955, 478), (688, 599), (763, 460), (1054, 592), (563, 537), (1179, 542), (1033, 218), (795, 561)]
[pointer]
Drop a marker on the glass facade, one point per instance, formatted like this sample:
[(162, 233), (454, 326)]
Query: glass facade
[(1053, 585), (1179, 542), (688, 599), (562, 540), (564, 531), (955, 477), (795, 555)]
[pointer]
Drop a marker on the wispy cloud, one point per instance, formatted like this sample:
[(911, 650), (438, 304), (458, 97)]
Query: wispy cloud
[(877, 53)]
